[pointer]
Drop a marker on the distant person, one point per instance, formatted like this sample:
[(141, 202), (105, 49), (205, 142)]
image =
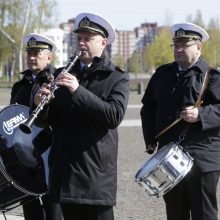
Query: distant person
[(39, 50), (172, 93), (88, 107)]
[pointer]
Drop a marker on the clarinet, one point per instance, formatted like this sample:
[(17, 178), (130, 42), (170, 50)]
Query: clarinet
[(26, 127)]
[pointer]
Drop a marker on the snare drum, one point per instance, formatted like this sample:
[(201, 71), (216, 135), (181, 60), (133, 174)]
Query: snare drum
[(21, 173), (164, 170)]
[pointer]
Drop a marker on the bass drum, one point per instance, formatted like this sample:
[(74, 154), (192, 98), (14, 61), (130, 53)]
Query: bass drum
[(21, 165)]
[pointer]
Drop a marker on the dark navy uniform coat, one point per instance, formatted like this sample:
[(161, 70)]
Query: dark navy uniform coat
[(167, 94), (83, 156)]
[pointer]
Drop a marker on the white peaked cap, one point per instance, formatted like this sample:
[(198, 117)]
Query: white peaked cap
[(189, 30), (39, 41), (95, 23)]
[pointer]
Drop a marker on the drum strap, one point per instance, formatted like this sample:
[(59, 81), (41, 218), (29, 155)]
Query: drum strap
[(197, 104)]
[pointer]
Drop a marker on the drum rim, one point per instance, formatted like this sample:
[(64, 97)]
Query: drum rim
[(16, 185)]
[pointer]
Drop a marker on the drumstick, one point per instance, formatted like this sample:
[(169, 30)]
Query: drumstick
[(197, 104)]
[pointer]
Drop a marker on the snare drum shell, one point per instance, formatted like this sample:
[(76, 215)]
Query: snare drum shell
[(164, 170)]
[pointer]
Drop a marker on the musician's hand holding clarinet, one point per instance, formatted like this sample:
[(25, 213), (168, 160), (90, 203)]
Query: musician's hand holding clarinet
[(41, 93), (64, 79), (68, 80)]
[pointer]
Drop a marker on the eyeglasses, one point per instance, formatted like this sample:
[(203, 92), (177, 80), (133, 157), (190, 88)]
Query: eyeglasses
[(181, 46)]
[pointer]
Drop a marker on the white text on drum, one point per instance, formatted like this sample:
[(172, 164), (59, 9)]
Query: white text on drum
[(9, 125)]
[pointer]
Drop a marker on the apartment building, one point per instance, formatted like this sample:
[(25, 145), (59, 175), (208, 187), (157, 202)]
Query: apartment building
[(57, 35)]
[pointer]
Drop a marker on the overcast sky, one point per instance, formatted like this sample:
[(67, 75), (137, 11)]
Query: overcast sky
[(128, 14)]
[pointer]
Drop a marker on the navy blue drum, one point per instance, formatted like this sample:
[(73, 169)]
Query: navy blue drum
[(21, 166)]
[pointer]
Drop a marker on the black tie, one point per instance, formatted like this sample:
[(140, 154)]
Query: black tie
[(85, 67), (181, 72)]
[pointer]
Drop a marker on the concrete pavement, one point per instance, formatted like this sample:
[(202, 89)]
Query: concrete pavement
[(11, 217)]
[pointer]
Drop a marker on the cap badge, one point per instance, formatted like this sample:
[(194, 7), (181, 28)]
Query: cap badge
[(32, 42), (180, 32), (84, 22)]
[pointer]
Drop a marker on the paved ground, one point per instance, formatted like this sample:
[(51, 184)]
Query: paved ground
[(133, 203)]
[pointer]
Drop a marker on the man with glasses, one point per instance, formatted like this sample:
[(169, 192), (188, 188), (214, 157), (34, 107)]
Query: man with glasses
[(172, 94)]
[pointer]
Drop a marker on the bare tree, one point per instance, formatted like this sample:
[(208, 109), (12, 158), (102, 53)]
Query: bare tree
[(20, 67), (17, 18)]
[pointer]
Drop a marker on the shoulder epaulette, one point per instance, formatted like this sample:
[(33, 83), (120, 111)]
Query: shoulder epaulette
[(119, 69), (215, 70)]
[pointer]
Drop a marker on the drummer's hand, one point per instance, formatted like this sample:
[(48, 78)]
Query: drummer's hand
[(151, 148), (41, 93), (68, 80), (190, 114)]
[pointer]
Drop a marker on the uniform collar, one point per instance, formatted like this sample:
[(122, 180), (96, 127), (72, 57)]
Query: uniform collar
[(200, 64), (181, 69)]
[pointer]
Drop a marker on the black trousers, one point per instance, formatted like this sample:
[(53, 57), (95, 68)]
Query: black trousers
[(86, 212), (194, 197), (35, 210)]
